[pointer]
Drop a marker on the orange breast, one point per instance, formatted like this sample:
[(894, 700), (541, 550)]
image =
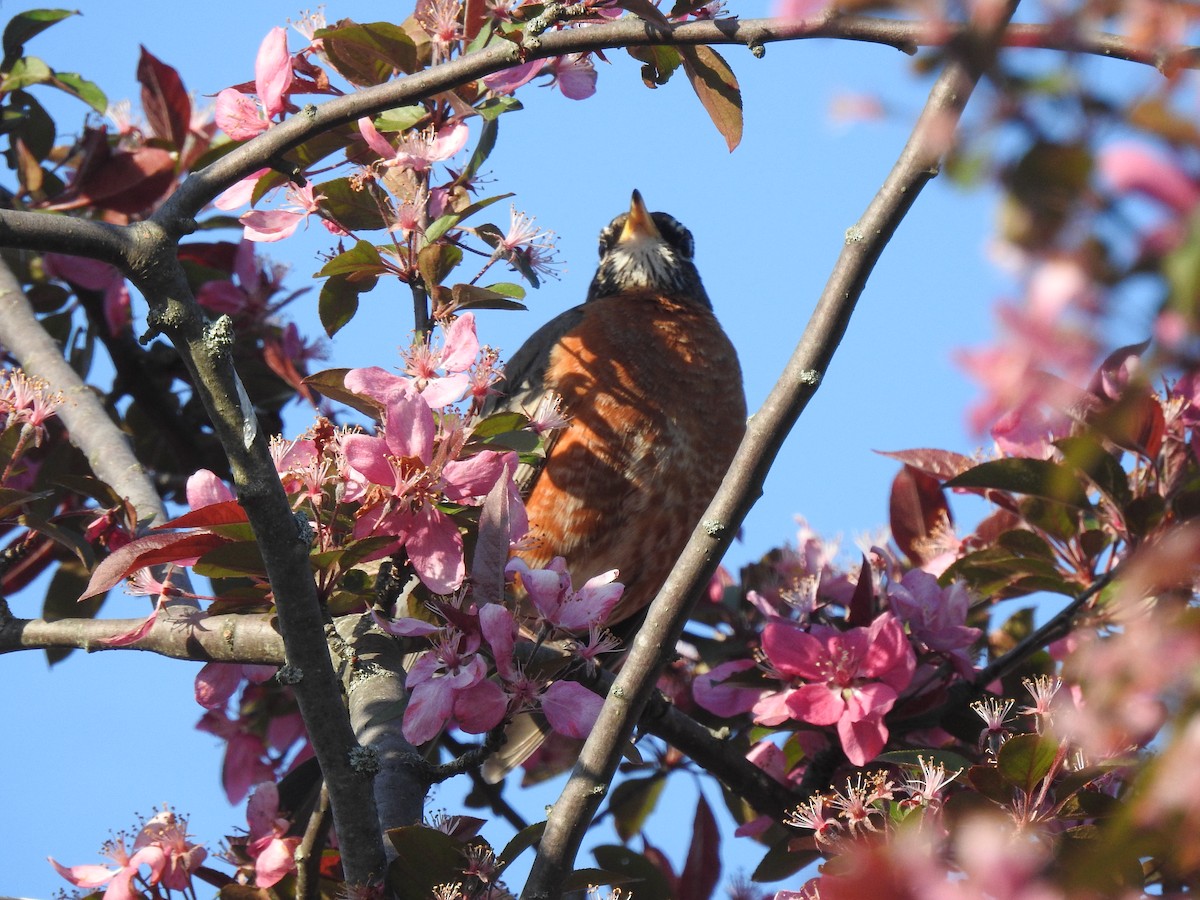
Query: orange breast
[(654, 390)]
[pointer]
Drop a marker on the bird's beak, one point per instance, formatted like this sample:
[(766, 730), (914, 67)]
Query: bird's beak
[(639, 225)]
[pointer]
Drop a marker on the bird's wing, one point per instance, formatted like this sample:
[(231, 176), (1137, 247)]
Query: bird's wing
[(524, 381)]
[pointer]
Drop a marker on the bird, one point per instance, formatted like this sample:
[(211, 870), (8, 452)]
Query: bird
[(651, 389)]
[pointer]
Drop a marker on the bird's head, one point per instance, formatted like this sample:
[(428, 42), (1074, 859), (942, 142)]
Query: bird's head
[(640, 250)]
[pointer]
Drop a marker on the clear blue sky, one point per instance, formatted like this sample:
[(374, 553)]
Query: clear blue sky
[(102, 737)]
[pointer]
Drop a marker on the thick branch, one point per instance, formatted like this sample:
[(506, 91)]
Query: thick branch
[(47, 232), (88, 424), (284, 543), (227, 638), (918, 163)]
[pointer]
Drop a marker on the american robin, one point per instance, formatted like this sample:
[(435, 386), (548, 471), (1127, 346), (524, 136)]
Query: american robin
[(653, 392)]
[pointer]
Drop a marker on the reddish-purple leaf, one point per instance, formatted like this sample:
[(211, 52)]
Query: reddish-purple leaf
[(718, 90), (862, 604), (941, 464), (164, 99), (491, 545), (702, 870), (917, 511), (150, 550), (227, 512)]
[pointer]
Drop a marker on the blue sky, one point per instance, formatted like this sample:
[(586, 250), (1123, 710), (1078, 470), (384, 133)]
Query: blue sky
[(102, 737)]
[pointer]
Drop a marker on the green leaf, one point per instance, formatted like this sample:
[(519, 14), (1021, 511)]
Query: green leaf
[(988, 781), (338, 301), (355, 209), (369, 54), (522, 841), (1089, 456), (78, 86), (718, 90), (1026, 759), (425, 858), (658, 63), (945, 758), (632, 801), (359, 263), (782, 862), (470, 296), (26, 71), (27, 25), (231, 560), (487, 142), (1036, 477), (401, 118), (494, 107), (620, 865), (442, 224), (436, 261), (508, 289)]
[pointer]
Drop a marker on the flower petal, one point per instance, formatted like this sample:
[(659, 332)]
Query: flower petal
[(571, 709)]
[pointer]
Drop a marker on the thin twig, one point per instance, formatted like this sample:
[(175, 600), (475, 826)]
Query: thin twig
[(312, 846)]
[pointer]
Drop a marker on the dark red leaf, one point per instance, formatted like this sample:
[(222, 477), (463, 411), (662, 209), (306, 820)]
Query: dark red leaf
[(917, 511), (164, 99), (219, 255), (125, 182), (227, 512), (941, 464), (702, 870), (862, 604), (150, 550)]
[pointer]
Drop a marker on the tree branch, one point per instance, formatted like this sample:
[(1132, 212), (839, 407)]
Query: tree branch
[(48, 232), (88, 424), (234, 638), (154, 267), (177, 214), (919, 161)]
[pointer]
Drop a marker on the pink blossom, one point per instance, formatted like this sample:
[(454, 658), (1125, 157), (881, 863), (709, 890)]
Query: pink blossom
[(239, 193), (418, 150), (554, 597), (1133, 169), (239, 116), (571, 709), (712, 691), (935, 615), (850, 679), (95, 276), (245, 763), (267, 844), (424, 359), (243, 118), (269, 225), (217, 682), (402, 461), (204, 488), (573, 74), (162, 845), (441, 687), (273, 71)]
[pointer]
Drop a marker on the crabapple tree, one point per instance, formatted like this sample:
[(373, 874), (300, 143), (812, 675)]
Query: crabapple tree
[(883, 725)]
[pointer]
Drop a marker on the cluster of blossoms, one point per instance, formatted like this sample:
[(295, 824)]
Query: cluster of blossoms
[(400, 181), (162, 846), (818, 669), (27, 404)]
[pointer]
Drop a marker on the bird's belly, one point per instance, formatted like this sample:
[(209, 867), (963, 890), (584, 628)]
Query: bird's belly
[(656, 418)]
